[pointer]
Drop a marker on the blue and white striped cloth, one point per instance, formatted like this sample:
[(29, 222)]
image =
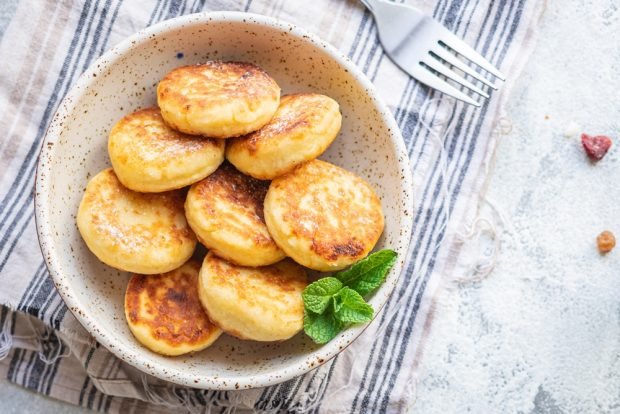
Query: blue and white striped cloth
[(45, 45)]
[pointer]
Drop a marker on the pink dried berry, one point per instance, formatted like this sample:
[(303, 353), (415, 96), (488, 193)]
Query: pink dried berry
[(596, 146)]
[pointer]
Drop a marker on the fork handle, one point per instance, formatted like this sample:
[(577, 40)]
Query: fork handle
[(371, 4)]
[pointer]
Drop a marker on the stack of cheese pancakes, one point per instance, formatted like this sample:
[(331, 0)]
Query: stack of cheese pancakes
[(265, 215)]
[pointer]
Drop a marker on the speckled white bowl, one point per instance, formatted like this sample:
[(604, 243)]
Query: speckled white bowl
[(123, 80)]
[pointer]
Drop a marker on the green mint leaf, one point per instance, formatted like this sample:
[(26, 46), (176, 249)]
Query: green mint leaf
[(332, 303), (350, 307), (318, 295), (369, 273), (322, 328)]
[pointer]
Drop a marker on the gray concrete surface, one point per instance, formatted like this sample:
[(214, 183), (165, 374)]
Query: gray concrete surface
[(541, 334), (18, 400)]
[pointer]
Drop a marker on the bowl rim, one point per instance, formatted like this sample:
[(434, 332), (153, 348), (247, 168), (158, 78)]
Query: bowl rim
[(137, 359)]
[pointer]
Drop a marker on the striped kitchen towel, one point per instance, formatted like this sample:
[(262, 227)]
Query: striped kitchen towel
[(46, 44)]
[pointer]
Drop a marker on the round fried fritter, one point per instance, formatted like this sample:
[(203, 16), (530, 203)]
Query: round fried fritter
[(322, 216), (302, 128), (218, 99), (149, 156), (258, 303), (165, 314), (136, 232), (226, 212)]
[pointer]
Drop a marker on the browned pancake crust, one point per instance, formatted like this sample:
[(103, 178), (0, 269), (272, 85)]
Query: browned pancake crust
[(225, 210), (149, 128), (175, 314), (216, 82), (230, 184), (275, 280), (304, 110), (261, 303), (136, 238), (218, 99), (149, 156), (241, 190), (323, 216), (303, 127)]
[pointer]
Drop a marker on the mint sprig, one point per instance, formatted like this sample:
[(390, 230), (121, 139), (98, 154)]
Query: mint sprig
[(350, 307), (369, 273), (333, 303), (318, 295), (321, 327)]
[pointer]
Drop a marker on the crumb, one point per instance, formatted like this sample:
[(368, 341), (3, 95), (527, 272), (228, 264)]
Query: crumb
[(606, 242), (546, 116), (572, 129)]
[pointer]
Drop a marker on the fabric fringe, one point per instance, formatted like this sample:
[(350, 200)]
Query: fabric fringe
[(47, 342), (6, 339), (489, 226), (168, 397)]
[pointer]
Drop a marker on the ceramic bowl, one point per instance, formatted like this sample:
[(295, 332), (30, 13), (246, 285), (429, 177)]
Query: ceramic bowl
[(123, 80)]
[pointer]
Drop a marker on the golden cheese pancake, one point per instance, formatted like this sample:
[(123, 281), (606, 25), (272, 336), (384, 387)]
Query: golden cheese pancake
[(165, 314), (149, 156), (258, 303), (136, 232), (302, 128), (218, 99), (225, 210), (322, 216)]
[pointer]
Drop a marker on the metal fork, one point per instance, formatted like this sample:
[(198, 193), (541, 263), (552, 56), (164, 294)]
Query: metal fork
[(426, 50)]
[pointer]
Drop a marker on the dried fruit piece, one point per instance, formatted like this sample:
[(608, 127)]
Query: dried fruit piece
[(606, 242), (596, 146)]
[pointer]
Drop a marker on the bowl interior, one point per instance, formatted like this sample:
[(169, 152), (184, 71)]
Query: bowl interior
[(124, 80)]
